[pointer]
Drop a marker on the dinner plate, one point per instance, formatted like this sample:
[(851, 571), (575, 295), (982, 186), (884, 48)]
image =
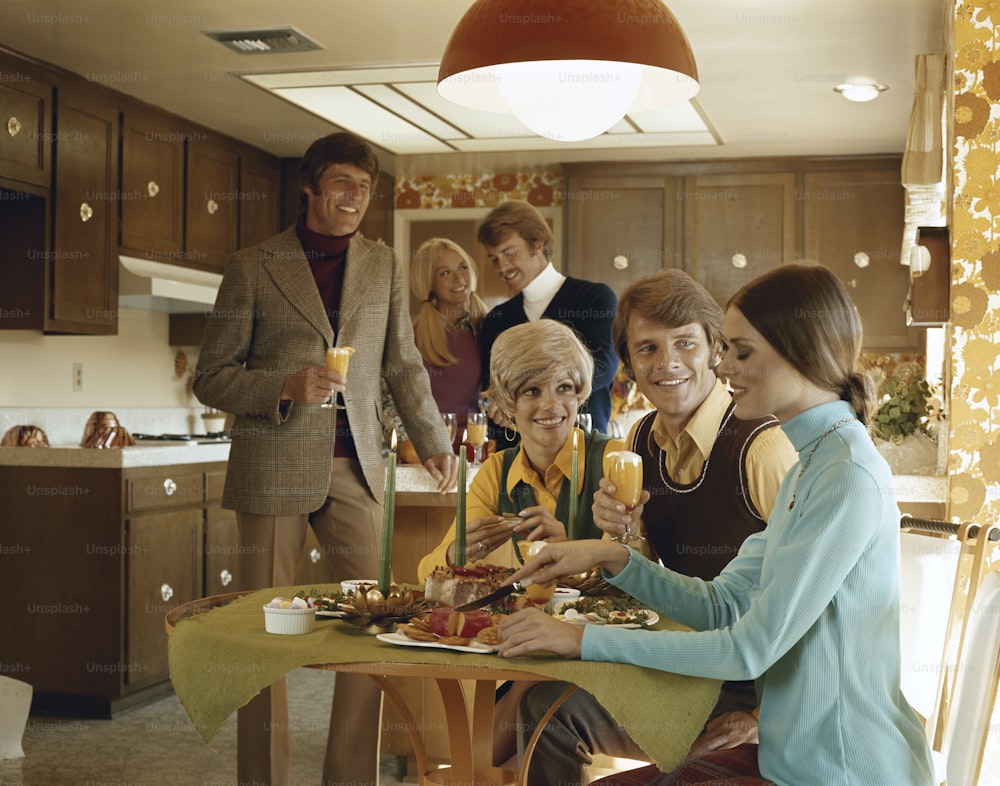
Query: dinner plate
[(402, 641), (594, 619)]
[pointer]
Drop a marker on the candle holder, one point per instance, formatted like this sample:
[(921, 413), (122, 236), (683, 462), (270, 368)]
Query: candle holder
[(374, 612)]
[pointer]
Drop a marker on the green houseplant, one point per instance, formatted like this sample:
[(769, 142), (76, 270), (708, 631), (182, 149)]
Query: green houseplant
[(903, 411), (903, 425)]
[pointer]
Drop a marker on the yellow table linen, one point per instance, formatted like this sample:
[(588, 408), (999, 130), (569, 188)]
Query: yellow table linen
[(221, 659)]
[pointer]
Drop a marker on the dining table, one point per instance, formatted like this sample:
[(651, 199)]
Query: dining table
[(221, 656)]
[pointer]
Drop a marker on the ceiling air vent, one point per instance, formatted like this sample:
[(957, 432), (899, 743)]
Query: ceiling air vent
[(273, 41)]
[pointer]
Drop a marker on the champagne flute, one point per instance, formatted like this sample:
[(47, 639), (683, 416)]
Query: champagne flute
[(337, 359), (477, 434), (538, 594), (450, 423), (624, 469)]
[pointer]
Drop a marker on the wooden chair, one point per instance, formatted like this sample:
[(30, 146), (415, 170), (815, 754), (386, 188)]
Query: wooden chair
[(928, 563), (969, 554), (974, 698)]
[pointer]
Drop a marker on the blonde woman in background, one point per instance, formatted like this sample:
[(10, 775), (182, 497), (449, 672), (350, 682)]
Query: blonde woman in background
[(446, 331)]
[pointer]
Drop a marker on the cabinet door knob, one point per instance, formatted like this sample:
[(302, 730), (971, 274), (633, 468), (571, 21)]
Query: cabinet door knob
[(13, 126), (739, 261), (225, 577), (169, 487), (166, 592), (212, 206), (315, 556), (620, 262), (152, 188), (86, 212)]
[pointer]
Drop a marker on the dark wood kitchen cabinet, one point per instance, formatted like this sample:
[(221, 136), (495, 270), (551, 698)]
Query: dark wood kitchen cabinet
[(163, 569), (222, 539), (854, 225), (66, 281), (621, 228), (83, 263), (25, 124), (260, 198), (210, 205), (152, 192), (163, 566), (100, 556), (737, 226), (729, 221)]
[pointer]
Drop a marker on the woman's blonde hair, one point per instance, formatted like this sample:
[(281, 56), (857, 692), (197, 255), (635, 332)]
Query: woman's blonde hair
[(430, 325), (536, 353)]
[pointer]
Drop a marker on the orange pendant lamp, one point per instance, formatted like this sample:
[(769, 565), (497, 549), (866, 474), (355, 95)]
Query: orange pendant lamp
[(568, 69)]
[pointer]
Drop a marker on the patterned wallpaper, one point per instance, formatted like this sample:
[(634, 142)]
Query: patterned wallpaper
[(974, 452), (541, 189)]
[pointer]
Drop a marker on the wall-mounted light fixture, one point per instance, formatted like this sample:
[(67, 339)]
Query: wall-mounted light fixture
[(568, 71), (920, 260), (861, 90)]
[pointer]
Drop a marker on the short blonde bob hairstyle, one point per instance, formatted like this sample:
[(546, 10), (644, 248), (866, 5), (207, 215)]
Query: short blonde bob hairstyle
[(537, 353)]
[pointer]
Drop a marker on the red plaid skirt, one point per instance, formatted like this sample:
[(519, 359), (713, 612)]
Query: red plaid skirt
[(731, 767)]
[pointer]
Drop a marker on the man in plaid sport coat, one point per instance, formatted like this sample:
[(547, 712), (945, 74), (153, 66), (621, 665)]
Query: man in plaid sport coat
[(294, 463)]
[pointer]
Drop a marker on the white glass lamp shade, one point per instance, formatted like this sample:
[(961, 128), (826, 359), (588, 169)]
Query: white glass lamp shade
[(569, 100), (568, 71)]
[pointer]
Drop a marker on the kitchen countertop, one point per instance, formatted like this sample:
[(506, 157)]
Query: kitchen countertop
[(115, 458), (412, 481), (920, 488)]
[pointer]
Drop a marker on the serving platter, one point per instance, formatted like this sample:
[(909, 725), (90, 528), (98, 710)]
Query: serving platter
[(628, 618), (402, 641)]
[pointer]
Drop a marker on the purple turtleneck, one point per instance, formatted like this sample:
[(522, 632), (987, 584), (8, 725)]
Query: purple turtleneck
[(326, 255)]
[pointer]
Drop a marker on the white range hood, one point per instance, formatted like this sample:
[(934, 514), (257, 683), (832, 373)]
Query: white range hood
[(155, 286)]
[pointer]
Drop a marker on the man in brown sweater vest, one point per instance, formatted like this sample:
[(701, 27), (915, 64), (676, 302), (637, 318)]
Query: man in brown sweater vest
[(709, 482)]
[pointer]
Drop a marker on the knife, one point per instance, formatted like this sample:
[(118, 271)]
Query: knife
[(493, 597)]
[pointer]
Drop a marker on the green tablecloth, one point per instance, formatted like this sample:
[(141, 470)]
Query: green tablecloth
[(221, 659)]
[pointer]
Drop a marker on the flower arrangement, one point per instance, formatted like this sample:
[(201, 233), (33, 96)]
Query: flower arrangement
[(905, 408)]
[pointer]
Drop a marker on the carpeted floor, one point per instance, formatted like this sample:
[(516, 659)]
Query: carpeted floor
[(156, 745)]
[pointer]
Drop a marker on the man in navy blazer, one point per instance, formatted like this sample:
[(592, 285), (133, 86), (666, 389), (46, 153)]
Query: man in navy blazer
[(519, 243)]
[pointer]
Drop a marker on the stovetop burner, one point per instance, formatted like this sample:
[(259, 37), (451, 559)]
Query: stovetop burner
[(215, 436)]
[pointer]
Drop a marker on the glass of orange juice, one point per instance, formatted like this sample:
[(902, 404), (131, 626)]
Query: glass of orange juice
[(539, 594), (624, 469), (337, 359), (476, 428)]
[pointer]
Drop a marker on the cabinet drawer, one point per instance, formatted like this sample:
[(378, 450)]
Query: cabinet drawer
[(165, 491)]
